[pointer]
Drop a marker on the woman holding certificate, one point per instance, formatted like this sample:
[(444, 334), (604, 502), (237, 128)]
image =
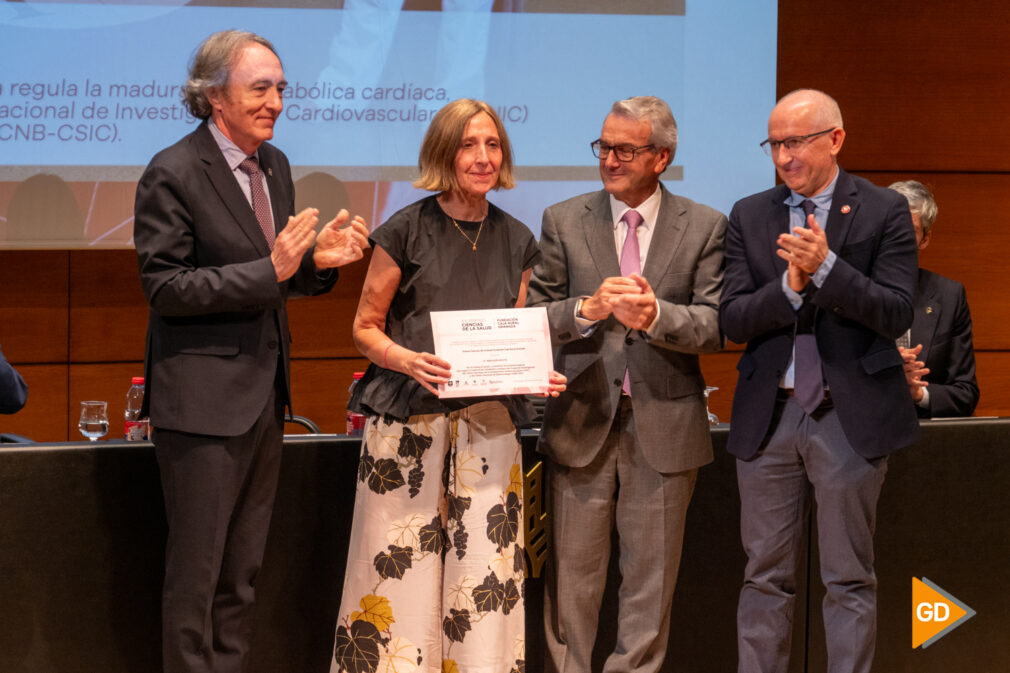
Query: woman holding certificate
[(435, 567)]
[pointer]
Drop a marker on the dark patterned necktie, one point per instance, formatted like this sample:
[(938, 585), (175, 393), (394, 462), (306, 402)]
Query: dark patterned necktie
[(261, 205), (808, 379)]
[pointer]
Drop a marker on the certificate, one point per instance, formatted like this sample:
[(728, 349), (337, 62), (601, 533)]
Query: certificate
[(493, 352)]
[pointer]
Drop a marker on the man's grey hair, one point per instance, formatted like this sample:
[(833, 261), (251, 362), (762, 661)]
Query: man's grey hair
[(212, 64), (655, 111), (920, 202)]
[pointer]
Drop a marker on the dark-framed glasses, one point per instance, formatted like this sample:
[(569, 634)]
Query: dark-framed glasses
[(601, 150), (792, 144)]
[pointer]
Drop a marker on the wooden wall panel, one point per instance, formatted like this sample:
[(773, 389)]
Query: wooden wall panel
[(108, 312), (719, 370), (969, 243), (319, 391), (44, 417), (321, 326), (33, 305), (993, 371), (920, 84)]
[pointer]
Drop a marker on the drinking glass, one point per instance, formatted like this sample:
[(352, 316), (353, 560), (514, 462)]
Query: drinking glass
[(94, 421), (712, 418)]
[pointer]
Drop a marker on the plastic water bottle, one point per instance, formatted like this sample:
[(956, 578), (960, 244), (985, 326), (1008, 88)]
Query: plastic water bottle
[(355, 421), (135, 427)]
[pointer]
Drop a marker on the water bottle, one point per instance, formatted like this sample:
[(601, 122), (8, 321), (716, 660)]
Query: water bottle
[(355, 421), (135, 427)]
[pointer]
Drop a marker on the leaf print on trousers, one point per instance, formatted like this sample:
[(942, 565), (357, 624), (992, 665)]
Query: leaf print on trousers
[(431, 537), (357, 649), (503, 522), (393, 563), (376, 611), (399, 656), (406, 532), (456, 625), (385, 476)]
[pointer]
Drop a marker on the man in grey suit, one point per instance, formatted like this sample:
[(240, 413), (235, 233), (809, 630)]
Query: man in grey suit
[(631, 277), (220, 250)]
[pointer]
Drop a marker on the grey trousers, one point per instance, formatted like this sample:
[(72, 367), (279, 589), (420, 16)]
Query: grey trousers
[(618, 488), (804, 454)]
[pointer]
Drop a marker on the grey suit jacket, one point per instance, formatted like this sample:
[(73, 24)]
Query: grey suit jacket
[(684, 266), (218, 328)]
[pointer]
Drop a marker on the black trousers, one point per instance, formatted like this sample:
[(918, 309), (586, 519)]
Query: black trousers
[(219, 495)]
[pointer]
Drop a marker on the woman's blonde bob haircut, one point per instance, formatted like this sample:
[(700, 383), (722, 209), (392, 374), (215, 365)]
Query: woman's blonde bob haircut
[(437, 159)]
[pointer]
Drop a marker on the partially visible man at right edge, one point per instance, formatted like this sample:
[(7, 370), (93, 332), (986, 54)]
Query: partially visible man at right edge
[(13, 390), (820, 274), (939, 356)]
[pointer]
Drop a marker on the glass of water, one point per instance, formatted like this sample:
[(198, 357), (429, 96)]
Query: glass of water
[(94, 421)]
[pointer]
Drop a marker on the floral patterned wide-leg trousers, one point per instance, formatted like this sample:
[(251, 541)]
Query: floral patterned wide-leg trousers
[(434, 579)]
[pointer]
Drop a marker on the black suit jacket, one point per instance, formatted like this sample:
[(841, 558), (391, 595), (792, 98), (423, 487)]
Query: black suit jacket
[(13, 390), (864, 304), (942, 324), (218, 328)]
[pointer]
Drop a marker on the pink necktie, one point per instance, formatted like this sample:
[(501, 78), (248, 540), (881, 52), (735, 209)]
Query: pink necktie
[(631, 258), (631, 262), (261, 205)]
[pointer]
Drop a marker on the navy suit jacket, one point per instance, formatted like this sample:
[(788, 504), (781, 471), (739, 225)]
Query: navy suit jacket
[(863, 305), (942, 324), (218, 327), (13, 391)]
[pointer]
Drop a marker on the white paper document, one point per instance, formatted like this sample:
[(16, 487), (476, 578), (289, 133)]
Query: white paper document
[(493, 352)]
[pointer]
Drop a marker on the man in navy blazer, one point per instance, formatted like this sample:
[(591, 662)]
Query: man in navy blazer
[(940, 367), (830, 255), (220, 250)]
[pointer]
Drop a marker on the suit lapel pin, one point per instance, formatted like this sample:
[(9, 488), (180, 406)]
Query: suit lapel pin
[(846, 209), (929, 309), (270, 172)]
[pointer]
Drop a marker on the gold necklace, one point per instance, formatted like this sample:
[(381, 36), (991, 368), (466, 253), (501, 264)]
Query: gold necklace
[(472, 241)]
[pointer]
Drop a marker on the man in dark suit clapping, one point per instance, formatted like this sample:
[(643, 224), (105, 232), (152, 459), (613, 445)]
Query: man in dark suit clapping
[(220, 250), (820, 275)]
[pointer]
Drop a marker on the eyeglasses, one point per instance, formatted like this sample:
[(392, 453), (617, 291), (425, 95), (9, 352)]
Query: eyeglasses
[(601, 150), (792, 144)]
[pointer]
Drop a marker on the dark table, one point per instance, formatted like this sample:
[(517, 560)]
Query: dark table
[(82, 533)]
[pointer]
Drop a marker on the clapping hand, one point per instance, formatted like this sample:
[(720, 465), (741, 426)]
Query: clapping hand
[(337, 245)]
